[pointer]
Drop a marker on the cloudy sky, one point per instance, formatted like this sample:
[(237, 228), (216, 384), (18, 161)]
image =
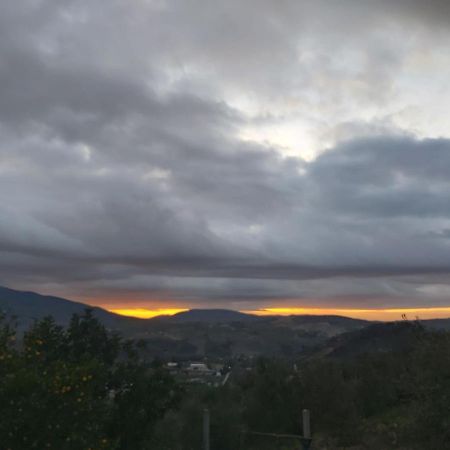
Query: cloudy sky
[(243, 154)]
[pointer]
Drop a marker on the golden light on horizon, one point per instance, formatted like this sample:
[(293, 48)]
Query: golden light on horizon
[(143, 313), (386, 314)]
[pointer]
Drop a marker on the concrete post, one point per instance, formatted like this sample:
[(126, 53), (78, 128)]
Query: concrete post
[(306, 424), (206, 429)]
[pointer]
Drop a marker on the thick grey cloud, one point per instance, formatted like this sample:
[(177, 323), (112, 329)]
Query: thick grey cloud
[(125, 170), (437, 11)]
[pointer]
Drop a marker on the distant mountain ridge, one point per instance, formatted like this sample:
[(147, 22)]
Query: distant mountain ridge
[(29, 306), (215, 333), (194, 334), (211, 315)]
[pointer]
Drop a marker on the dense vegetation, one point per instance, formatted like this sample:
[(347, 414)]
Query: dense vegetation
[(83, 388), (77, 388)]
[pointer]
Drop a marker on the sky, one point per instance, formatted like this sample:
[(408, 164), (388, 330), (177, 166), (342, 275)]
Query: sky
[(285, 155)]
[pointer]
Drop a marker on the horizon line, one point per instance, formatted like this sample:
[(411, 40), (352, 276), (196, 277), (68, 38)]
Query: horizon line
[(381, 314)]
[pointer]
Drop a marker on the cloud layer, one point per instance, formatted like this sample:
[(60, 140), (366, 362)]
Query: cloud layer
[(220, 153)]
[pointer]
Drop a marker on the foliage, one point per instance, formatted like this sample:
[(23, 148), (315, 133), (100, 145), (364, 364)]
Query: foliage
[(75, 388), (390, 399), (85, 388)]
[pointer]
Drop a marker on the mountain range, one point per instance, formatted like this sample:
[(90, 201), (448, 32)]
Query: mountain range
[(200, 333)]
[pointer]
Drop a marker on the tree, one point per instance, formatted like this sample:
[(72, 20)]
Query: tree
[(77, 388)]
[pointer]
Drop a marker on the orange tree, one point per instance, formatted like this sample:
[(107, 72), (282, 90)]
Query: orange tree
[(77, 388)]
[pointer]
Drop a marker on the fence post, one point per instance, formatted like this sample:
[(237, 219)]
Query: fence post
[(306, 437), (206, 429), (306, 424)]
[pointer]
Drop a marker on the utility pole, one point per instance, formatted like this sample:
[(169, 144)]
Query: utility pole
[(206, 429)]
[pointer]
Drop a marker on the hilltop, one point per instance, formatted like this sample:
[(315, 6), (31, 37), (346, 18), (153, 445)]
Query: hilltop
[(210, 315), (195, 334), (217, 333)]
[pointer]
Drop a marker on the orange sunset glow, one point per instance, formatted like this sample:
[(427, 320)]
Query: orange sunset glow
[(387, 314), (143, 313)]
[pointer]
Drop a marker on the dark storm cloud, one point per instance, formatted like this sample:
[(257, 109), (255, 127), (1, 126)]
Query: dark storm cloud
[(386, 177), (119, 175), (108, 227)]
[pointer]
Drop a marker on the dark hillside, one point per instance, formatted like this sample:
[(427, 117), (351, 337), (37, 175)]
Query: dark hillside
[(209, 316), (375, 338), (30, 306)]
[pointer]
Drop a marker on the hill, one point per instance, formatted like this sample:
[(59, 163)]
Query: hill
[(194, 334), (375, 338), (233, 335), (210, 316), (27, 307)]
